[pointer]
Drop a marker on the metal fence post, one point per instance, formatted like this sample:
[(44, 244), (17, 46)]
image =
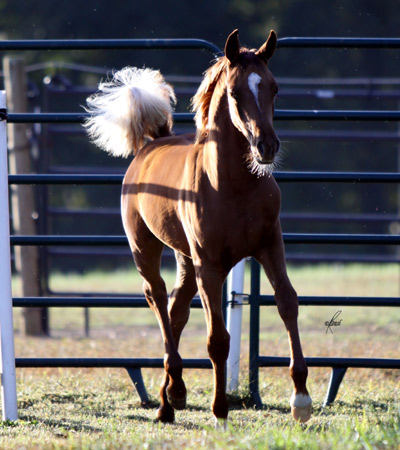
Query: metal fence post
[(234, 324), (7, 358), (254, 340)]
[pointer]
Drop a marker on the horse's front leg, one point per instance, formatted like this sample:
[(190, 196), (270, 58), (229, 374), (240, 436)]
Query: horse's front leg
[(273, 261), (210, 281)]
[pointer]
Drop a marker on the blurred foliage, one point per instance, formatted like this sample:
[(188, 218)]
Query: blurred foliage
[(68, 149), (211, 20)]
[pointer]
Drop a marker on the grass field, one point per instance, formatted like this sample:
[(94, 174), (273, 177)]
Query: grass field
[(99, 408)]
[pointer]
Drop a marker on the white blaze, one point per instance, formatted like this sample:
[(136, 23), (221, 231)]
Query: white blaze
[(254, 80)]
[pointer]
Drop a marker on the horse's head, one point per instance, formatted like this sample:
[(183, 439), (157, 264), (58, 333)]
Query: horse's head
[(251, 91)]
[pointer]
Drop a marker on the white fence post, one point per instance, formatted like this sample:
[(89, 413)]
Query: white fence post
[(234, 324), (7, 358)]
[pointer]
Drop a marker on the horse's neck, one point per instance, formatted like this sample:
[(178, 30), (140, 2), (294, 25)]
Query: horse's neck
[(225, 150)]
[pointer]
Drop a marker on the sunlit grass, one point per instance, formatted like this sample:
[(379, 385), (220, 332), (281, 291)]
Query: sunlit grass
[(79, 409)]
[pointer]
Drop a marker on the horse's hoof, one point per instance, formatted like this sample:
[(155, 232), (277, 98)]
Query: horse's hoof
[(165, 415), (301, 405), (177, 403), (301, 414), (221, 424)]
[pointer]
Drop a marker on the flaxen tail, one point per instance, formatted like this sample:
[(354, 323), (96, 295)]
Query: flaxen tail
[(136, 104)]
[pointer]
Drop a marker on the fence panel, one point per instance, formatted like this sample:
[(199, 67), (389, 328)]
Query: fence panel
[(256, 361)]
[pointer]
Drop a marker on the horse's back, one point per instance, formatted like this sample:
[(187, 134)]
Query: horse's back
[(161, 159)]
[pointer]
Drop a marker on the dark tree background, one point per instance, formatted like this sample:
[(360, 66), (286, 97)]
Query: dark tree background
[(356, 72)]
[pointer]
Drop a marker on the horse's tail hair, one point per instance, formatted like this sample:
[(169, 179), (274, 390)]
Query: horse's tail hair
[(136, 104)]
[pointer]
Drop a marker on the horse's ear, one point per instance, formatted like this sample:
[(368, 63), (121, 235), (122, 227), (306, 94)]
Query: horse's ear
[(266, 51), (232, 46)]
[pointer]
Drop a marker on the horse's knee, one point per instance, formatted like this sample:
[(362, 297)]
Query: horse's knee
[(173, 364)]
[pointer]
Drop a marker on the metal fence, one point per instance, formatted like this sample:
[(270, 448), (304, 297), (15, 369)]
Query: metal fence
[(339, 365), (58, 87)]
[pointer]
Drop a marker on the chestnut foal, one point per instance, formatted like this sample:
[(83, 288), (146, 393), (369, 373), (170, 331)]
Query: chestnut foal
[(209, 196)]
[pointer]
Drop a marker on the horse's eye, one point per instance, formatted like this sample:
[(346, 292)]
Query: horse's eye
[(276, 91)]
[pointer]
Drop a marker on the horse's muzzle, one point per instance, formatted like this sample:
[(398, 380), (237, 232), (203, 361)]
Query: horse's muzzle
[(267, 151)]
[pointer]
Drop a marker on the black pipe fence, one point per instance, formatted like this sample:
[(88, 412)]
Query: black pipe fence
[(339, 365), (289, 238), (332, 177), (112, 44)]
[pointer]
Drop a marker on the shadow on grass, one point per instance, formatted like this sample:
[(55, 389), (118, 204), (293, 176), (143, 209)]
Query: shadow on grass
[(275, 407), (180, 422), (139, 418), (64, 398), (358, 405), (379, 406), (27, 403), (66, 425), (155, 404), (244, 401), (198, 408)]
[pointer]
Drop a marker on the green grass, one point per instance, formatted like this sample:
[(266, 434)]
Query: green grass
[(78, 409), (99, 408)]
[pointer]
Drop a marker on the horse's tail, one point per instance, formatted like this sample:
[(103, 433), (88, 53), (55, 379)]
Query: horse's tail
[(134, 105)]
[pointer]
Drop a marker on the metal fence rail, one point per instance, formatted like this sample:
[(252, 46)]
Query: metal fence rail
[(282, 177), (89, 302), (289, 238), (112, 44), (140, 302), (338, 42), (126, 363), (280, 114)]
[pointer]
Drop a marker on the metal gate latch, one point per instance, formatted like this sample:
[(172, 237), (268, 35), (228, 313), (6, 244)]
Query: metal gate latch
[(3, 114), (238, 299)]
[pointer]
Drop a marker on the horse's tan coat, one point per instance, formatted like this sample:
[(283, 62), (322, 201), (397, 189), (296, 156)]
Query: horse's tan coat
[(197, 195)]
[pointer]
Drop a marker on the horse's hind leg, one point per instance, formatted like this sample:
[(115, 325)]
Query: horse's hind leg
[(273, 261), (147, 259), (174, 395)]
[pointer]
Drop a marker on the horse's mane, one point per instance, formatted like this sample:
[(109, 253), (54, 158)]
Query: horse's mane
[(202, 99)]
